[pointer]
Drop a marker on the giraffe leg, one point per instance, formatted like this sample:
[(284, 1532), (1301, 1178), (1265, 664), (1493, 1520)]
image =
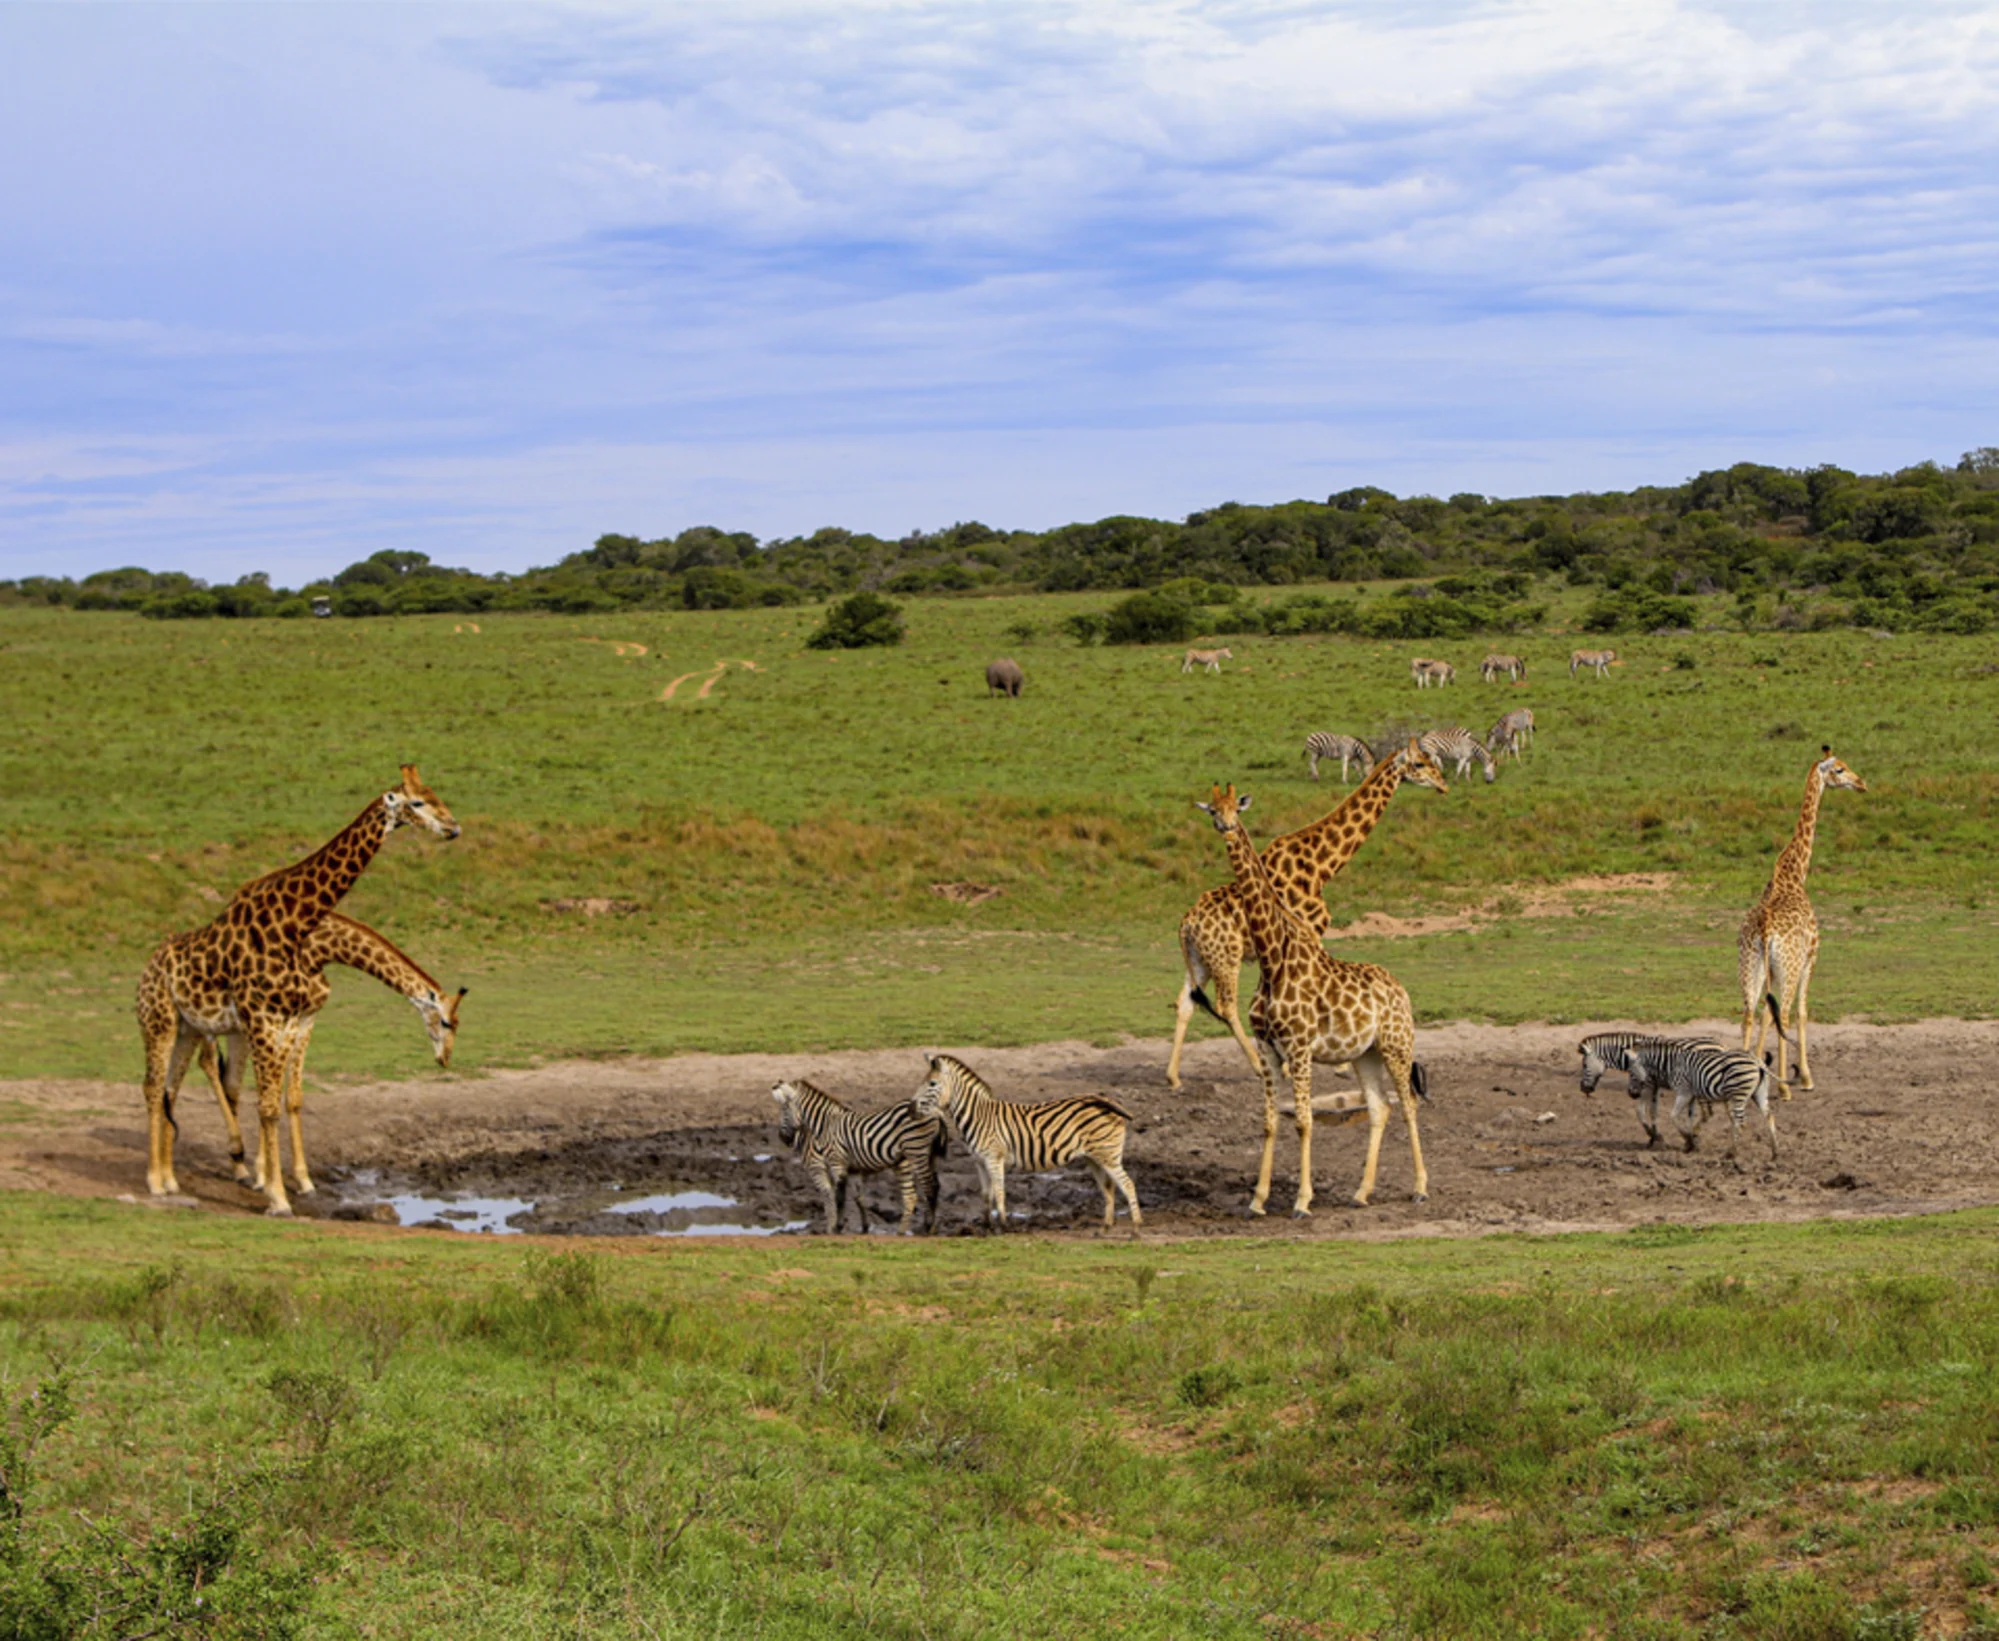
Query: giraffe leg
[(1798, 1014), (1183, 1016), (295, 1109), (268, 1052), (1301, 1099), (1753, 967), (166, 1049), (1262, 1192), (212, 1069), (1377, 1123), (1398, 1072), (1227, 992), (1783, 987)]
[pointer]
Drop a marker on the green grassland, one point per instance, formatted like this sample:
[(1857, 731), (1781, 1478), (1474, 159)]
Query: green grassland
[(778, 839), (1757, 1432)]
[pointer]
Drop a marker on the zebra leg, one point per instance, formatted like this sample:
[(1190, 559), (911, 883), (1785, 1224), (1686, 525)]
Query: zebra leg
[(1683, 1104), (997, 1195), (822, 1176), (905, 1179), (1103, 1178), (1262, 1193), (1312, 758), (861, 1205), (1130, 1191)]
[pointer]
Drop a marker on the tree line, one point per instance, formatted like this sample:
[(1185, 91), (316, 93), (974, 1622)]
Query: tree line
[(1795, 548)]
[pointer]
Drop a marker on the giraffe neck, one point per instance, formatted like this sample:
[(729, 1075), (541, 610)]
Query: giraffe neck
[(1272, 930), (312, 887), (1796, 860), (1328, 844), (356, 946)]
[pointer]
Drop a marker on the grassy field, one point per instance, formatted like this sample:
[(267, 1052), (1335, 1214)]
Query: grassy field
[(1782, 1432), (776, 841)]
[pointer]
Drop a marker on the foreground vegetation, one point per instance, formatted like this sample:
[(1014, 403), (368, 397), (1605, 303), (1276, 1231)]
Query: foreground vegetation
[(1744, 1431), (1911, 550), (761, 860)]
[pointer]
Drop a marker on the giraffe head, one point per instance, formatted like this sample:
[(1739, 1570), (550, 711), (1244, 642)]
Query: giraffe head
[(1833, 773), (414, 804), (1418, 766), (440, 1018), (1224, 808)]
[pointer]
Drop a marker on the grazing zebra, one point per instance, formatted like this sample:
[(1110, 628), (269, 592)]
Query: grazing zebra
[(1347, 748), (1512, 731), (1701, 1075), (1600, 660), (1493, 665), (836, 1141), (1045, 1134), (1211, 659), (1459, 744), (1616, 1051), (1428, 672)]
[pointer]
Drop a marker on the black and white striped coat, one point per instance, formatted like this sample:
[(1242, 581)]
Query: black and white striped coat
[(1614, 1051), (1458, 745), (1347, 748), (835, 1141), (1044, 1134), (1512, 732), (1700, 1075)]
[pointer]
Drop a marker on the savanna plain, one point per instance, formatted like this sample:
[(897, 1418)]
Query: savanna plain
[(1749, 1401)]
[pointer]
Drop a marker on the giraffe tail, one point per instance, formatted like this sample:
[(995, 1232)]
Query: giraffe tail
[(1419, 1081), (1200, 998)]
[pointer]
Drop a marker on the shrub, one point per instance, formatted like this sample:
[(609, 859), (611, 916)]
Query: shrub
[(1151, 618), (192, 605), (1087, 627), (858, 621)]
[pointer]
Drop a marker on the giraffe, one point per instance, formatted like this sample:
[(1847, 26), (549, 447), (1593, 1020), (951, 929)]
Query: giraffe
[(1214, 935), (1315, 1007), (338, 940), (242, 973), (1779, 944)]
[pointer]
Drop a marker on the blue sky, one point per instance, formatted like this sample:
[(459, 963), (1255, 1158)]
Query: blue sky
[(283, 285)]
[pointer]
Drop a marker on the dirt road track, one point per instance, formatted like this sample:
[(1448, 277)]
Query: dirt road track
[(1901, 1122)]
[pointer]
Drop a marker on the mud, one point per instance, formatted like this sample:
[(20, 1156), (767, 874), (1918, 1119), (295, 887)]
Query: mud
[(1900, 1122)]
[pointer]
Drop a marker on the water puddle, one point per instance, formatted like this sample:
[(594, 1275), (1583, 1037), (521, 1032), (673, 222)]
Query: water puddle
[(660, 1213)]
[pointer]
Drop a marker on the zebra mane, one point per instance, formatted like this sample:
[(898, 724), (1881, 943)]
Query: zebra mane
[(953, 1063)]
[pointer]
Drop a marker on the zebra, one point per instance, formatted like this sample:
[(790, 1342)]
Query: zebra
[(1600, 660), (1615, 1051), (1493, 665), (1045, 1134), (1512, 731), (1427, 672), (1211, 659), (1346, 748), (1456, 743), (835, 1141), (1701, 1075)]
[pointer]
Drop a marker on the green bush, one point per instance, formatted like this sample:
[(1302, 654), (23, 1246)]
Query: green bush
[(1156, 617), (1087, 627), (857, 622)]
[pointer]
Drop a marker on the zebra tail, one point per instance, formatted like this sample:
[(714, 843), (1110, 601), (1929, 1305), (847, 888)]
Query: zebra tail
[(1419, 1081), (1200, 997), (1110, 1105)]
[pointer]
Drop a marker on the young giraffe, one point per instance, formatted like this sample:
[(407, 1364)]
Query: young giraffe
[(242, 973), (1214, 935), (1314, 1007), (337, 940), (1779, 945)]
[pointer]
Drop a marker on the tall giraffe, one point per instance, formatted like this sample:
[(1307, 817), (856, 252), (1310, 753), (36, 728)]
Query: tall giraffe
[(243, 973), (1214, 935), (338, 940), (1314, 1007), (1779, 944)]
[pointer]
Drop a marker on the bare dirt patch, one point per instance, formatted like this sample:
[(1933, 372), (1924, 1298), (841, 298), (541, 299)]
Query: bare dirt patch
[(1524, 900), (1900, 1123)]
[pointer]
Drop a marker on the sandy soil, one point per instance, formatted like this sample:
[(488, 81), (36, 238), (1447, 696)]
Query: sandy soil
[(1899, 1123)]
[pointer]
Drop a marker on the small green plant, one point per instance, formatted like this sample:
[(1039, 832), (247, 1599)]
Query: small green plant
[(315, 1402), (1684, 662), (1022, 632), (1209, 1386), (858, 622)]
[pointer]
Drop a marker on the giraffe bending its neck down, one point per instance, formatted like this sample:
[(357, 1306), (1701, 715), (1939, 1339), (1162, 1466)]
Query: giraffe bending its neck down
[(339, 940), (247, 974), (1779, 945), (1214, 935), (1314, 1007)]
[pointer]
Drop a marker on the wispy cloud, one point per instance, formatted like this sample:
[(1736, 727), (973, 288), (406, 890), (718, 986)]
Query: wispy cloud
[(498, 280)]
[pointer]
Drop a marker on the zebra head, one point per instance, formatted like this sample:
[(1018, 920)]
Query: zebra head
[(1594, 1064), (1834, 773), (928, 1100), (789, 1128)]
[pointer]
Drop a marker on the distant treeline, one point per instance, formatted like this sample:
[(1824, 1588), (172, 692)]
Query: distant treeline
[(1808, 548)]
